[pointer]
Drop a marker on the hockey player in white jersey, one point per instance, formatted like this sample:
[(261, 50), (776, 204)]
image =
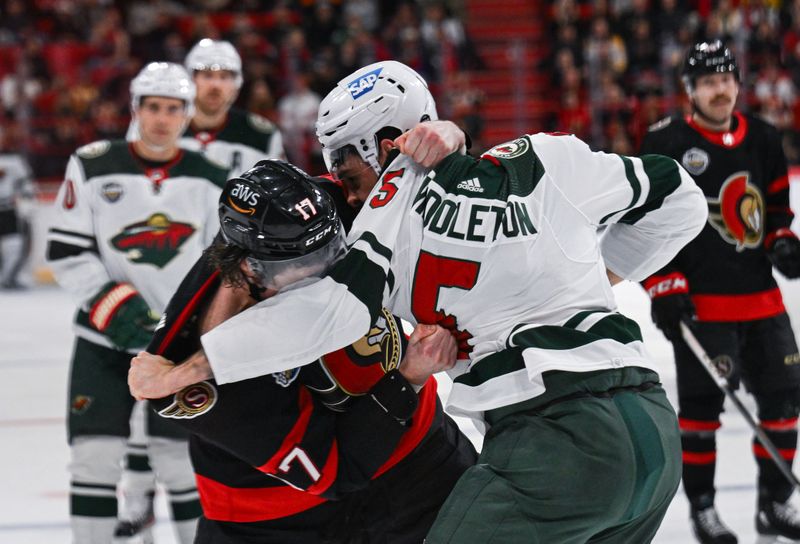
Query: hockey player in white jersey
[(582, 444), (131, 220), (16, 192), (231, 136)]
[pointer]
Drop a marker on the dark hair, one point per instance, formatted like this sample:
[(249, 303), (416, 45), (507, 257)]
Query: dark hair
[(227, 259)]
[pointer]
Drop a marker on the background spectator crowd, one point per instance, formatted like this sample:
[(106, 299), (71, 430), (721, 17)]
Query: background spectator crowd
[(602, 69)]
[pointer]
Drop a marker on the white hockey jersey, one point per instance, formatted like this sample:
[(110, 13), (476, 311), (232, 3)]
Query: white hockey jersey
[(118, 220), (503, 251), (242, 141)]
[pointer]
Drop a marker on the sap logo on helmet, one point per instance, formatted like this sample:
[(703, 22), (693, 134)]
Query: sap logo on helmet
[(319, 236), (364, 84), (245, 194)]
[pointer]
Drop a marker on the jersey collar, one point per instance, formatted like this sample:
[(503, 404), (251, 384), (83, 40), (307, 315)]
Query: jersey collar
[(728, 138)]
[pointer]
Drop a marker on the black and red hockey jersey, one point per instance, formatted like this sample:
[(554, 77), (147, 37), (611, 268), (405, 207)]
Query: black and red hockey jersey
[(273, 451), (744, 177)]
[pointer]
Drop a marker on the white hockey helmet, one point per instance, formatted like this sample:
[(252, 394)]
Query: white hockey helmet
[(383, 94), (215, 55), (163, 79)]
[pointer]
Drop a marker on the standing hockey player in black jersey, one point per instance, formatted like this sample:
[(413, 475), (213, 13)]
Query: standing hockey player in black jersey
[(724, 279), (348, 427)]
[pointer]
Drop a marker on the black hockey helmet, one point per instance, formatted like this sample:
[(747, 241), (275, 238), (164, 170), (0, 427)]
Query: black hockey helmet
[(708, 58), (275, 211)]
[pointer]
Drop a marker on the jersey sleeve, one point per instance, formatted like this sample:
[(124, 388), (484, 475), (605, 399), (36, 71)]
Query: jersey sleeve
[(650, 205), (280, 423), (275, 148), (72, 250), (303, 323), (779, 213)]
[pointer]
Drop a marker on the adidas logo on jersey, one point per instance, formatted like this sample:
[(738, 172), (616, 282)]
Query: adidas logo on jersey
[(472, 185)]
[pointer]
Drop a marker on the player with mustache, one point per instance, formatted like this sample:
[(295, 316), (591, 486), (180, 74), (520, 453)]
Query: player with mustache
[(723, 279)]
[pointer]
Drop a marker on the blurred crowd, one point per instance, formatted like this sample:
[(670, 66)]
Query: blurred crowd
[(65, 65), (618, 63)]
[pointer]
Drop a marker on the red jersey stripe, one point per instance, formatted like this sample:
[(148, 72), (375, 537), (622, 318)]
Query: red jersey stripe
[(747, 307), (294, 436), (242, 505), (420, 424)]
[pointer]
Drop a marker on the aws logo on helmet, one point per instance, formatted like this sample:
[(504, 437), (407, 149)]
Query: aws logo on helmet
[(243, 199), (363, 84)]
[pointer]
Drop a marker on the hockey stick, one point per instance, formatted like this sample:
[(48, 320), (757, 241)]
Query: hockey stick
[(718, 373)]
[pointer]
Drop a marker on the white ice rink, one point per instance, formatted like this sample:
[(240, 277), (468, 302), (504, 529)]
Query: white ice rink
[(35, 344)]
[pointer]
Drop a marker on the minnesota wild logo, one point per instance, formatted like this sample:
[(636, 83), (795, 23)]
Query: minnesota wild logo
[(154, 241)]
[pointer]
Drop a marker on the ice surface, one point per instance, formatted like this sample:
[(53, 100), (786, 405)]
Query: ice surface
[(35, 346)]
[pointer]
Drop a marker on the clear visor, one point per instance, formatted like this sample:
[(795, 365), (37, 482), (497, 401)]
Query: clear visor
[(335, 158), (279, 274)]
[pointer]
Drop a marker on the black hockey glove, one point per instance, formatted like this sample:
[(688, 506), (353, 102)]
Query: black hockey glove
[(669, 303), (784, 253), (120, 312)]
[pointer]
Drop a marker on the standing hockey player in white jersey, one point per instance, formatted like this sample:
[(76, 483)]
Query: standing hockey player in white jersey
[(132, 218), (231, 136), (582, 444), (15, 231)]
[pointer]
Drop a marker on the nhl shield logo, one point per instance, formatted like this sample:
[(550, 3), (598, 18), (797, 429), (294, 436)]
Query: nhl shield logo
[(191, 401), (695, 160), (155, 241), (285, 378), (111, 191)]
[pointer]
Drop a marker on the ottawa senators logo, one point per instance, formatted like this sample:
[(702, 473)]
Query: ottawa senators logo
[(155, 241), (355, 369), (191, 401), (738, 215)]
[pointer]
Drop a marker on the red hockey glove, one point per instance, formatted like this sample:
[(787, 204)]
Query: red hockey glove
[(120, 312), (669, 302), (783, 250)]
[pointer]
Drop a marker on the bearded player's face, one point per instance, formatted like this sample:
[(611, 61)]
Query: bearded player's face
[(715, 96), (216, 90)]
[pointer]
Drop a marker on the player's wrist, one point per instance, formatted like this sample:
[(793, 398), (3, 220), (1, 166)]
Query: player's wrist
[(674, 283)]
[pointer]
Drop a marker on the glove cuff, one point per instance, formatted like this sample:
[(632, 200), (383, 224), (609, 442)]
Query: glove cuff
[(669, 284), (108, 303), (770, 238), (395, 395)]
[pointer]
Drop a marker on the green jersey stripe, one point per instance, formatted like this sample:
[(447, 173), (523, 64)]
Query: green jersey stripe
[(370, 282), (635, 184), (665, 179), (376, 246)]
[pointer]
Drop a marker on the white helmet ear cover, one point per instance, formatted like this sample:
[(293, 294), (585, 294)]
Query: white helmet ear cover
[(214, 55), (383, 94), (165, 79)]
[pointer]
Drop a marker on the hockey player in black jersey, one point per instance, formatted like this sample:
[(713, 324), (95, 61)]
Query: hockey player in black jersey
[(272, 451), (723, 279)]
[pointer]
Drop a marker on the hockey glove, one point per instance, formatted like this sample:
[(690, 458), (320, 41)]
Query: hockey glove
[(784, 253), (120, 312), (669, 303)]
